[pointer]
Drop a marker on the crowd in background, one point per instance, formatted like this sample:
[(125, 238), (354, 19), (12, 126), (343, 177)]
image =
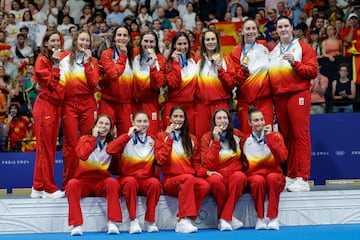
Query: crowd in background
[(330, 27)]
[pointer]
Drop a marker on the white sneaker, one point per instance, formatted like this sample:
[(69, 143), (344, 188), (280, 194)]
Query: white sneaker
[(224, 225), (54, 195), (260, 224), (289, 182), (236, 223), (299, 186), (135, 226), (36, 193), (151, 227), (273, 224), (76, 231), (185, 226), (112, 228)]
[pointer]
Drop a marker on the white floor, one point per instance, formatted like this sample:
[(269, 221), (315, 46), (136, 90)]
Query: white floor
[(26, 215)]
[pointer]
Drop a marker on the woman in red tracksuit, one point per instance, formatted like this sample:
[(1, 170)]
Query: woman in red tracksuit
[(221, 157), (138, 173), (214, 83), (177, 151), (181, 79), (264, 150), (293, 63), (251, 59), (80, 74), (93, 178), (117, 82), (149, 76), (46, 113)]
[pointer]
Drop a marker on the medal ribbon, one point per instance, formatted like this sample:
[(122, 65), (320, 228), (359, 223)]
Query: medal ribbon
[(287, 48), (245, 51)]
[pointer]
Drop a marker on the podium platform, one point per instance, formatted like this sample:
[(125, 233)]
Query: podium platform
[(322, 205)]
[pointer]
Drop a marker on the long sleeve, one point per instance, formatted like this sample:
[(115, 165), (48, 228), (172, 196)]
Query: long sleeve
[(85, 147), (157, 76), (92, 73), (163, 148), (241, 74), (227, 76), (307, 68), (117, 146), (111, 68), (210, 149), (173, 75), (196, 159), (275, 142)]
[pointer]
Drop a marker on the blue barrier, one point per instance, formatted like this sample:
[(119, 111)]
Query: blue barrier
[(335, 154)]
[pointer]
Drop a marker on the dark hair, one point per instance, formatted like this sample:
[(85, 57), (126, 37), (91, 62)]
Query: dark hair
[(129, 46), (31, 16), (283, 17), (45, 50), (229, 131), (17, 105), (203, 48), (184, 132), (251, 110), (173, 43), (109, 136), (150, 32)]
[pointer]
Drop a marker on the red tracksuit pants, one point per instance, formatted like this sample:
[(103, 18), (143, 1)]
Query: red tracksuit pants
[(120, 113), (265, 105), (150, 188), (273, 184), (293, 114), (204, 113), (80, 188), (78, 116), (190, 113), (47, 120), (226, 192), (190, 191)]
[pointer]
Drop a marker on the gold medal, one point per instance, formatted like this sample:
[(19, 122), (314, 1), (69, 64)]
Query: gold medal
[(216, 56), (245, 60), (150, 50)]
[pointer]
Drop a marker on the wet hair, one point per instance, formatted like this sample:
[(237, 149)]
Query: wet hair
[(229, 131), (45, 50), (129, 46), (173, 43), (251, 110), (203, 48), (109, 137), (150, 32), (184, 132)]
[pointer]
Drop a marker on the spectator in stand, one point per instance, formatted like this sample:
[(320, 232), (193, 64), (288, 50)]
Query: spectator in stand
[(46, 114), (17, 128), (144, 17), (351, 35), (22, 54), (333, 12), (94, 25), (215, 81), (343, 91), (75, 8), (155, 5), (295, 9), (164, 22), (264, 150), (239, 14), (339, 26), (223, 161), (315, 42), (128, 7), (79, 72), (64, 28), (149, 76), (137, 173), (53, 13), (68, 39), (177, 151), (332, 46), (92, 177), (233, 4), (28, 41), (318, 89), (116, 85), (300, 32), (86, 14), (3, 112), (30, 86), (65, 12), (38, 16), (10, 68), (272, 15), (189, 17), (116, 17), (319, 24), (171, 12), (156, 27), (17, 10), (311, 4), (12, 29), (292, 64), (181, 79), (227, 17), (179, 26)]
